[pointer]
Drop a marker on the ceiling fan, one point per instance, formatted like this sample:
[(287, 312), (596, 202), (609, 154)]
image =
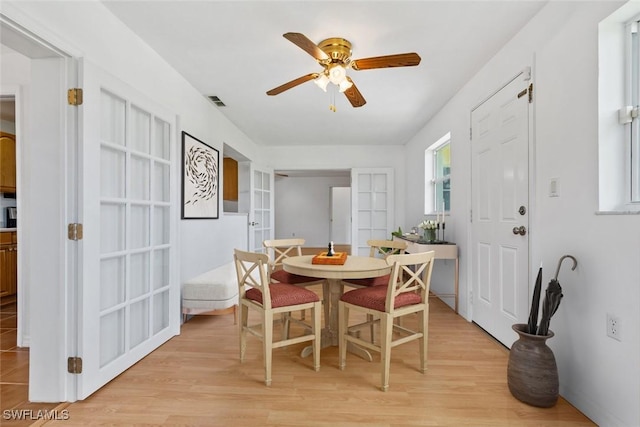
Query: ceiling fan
[(334, 55)]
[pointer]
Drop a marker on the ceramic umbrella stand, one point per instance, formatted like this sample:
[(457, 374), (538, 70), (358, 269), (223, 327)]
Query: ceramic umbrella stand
[(532, 373)]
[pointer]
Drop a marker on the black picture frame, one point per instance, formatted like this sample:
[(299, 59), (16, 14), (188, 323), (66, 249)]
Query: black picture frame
[(200, 179)]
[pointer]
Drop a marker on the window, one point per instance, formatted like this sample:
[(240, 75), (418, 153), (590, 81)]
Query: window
[(437, 162), (633, 94), (618, 103)]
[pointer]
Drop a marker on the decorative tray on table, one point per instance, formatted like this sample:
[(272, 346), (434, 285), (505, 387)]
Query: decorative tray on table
[(339, 258)]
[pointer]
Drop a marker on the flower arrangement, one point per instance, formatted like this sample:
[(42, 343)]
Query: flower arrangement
[(428, 224)]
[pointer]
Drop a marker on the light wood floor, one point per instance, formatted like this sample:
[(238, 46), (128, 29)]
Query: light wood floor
[(197, 379)]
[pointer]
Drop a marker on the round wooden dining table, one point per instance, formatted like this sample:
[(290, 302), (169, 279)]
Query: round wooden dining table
[(355, 267)]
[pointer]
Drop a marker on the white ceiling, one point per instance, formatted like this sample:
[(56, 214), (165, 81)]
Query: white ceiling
[(235, 50)]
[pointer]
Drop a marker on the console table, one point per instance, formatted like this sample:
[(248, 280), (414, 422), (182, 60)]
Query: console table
[(442, 251)]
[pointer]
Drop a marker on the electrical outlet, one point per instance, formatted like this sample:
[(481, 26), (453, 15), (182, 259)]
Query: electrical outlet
[(613, 327)]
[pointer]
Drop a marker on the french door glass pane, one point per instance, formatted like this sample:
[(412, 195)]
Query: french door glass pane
[(160, 146), (379, 182), (139, 230), (112, 282), (111, 336), (161, 225), (112, 227), (380, 220), (379, 201), (139, 323), (140, 130), (113, 119), (161, 183), (140, 178), (112, 176), (364, 182), (139, 277), (364, 201), (160, 268), (160, 311)]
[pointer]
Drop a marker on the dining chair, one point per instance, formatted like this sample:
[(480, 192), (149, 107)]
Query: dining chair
[(407, 292), (257, 292), (380, 249), (280, 249)]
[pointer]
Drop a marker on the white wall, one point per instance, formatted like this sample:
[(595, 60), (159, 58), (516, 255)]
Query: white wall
[(600, 376), (302, 207)]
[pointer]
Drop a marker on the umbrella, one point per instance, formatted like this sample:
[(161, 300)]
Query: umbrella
[(553, 296), (550, 305), (535, 304)]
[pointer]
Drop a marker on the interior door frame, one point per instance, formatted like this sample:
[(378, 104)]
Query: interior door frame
[(527, 74), (53, 292)]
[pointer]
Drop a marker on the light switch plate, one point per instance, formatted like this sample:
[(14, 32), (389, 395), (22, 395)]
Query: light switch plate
[(554, 187)]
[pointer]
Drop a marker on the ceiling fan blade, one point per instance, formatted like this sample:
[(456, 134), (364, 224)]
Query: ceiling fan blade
[(399, 60), (307, 45), (292, 84), (354, 96)]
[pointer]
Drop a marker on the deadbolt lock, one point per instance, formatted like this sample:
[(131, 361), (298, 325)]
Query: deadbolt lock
[(522, 210), (520, 230)]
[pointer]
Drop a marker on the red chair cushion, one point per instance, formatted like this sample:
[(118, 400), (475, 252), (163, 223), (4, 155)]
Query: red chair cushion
[(375, 298), (283, 295), (374, 281), (282, 276)]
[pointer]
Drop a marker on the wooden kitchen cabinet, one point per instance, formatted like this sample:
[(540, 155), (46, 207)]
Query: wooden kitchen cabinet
[(230, 173), (8, 264), (7, 162)]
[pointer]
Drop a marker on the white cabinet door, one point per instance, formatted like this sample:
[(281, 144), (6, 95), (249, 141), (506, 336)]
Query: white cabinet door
[(129, 292), (372, 208), (500, 203)]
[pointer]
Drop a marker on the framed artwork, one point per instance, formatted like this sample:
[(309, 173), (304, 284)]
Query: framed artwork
[(200, 179)]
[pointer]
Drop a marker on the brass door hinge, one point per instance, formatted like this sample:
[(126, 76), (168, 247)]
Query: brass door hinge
[(74, 365), (74, 96), (74, 231), (530, 93)]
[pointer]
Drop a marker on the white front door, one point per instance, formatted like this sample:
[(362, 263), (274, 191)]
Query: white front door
[(372, 208), (129, 299), (261, 220), (500, 211)]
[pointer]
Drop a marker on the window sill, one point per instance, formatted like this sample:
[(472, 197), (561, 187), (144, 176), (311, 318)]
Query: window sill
[(620, 212)]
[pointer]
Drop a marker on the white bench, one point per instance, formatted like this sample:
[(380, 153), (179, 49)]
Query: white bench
[(213, 292)]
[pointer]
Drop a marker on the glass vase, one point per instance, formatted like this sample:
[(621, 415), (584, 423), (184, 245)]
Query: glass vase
[(430, 235)]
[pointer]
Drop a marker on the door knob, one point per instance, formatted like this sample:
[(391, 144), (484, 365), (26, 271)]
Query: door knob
[(520, 230), (254, 223)]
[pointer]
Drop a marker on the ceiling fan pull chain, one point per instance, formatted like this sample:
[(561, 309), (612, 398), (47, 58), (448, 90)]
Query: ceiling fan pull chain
[(332, 96)]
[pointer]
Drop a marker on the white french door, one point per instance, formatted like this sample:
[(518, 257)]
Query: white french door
[(500, 210), (261, 220), (129, 302), (372, 208)]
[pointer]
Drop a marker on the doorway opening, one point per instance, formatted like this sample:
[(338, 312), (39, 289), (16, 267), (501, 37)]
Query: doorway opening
[(314, 205)]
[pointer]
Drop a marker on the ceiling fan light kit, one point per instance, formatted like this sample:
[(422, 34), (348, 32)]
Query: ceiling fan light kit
[(334, 55)]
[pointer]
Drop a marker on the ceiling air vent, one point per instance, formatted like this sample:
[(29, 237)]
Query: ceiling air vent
[(216, 101)]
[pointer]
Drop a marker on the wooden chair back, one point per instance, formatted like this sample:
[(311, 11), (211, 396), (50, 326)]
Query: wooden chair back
[(252, 271), (279, 249), (384, 248), (410, 273)]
